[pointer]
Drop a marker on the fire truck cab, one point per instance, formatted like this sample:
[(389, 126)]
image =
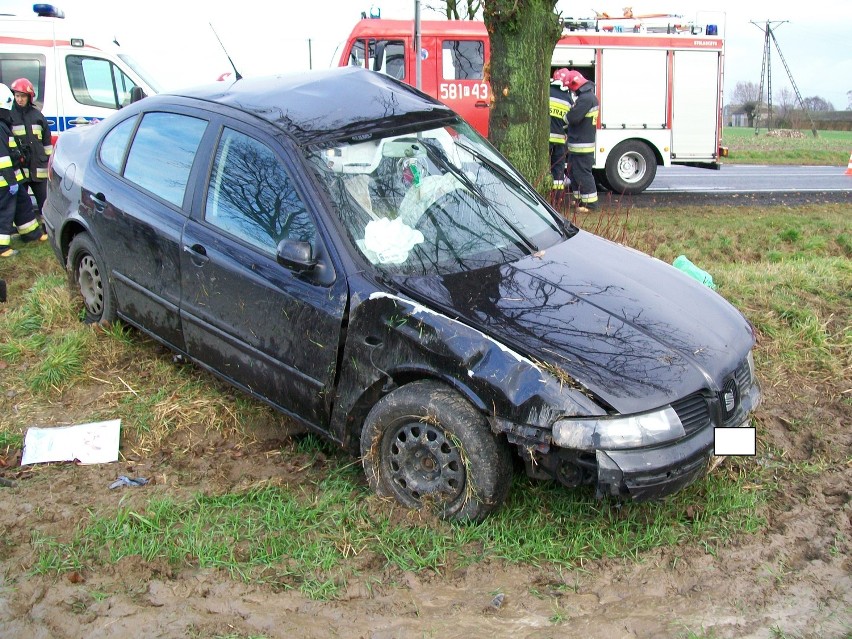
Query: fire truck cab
[(660, 87), (78, 80)]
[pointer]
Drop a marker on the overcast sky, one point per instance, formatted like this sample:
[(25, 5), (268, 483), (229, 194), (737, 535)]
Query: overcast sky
[(174, 40)]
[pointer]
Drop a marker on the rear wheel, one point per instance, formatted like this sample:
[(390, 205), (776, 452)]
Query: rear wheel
[(631, 167), (88, 275), (428, 447)]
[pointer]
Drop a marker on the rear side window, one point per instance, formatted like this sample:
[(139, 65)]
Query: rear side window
[(114, 145), (463, 59), (252, 197), (98, 82), (162, 153)]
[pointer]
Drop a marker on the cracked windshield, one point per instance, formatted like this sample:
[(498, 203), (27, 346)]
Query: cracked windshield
[(438, 201)]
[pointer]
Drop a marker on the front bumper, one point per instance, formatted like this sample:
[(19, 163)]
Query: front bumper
[(646, 474)]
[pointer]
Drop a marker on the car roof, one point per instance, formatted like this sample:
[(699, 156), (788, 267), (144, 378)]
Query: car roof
[(315, 106)]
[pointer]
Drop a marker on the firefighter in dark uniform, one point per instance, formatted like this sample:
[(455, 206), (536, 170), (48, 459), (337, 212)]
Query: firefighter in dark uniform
[(560, 103), (582, 121), (32, 133), (16, 209)]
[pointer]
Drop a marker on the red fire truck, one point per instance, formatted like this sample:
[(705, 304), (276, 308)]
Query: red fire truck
[(660, 86)]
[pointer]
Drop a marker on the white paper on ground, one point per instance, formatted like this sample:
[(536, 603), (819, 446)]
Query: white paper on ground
[(95, 443)]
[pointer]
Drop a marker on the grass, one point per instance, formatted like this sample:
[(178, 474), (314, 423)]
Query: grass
[(787, 269), (315, 542), (830, 148)]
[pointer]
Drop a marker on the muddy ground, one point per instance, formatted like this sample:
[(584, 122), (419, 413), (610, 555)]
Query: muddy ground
[(792, 579)]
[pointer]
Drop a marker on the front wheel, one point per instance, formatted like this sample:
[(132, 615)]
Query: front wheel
[(426, 446), (88, 275), (631, 167)]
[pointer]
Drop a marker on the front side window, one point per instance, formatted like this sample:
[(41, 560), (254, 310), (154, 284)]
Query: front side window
[(434, 202), (463, 59), (98, 82), (162, 154), (384, 56), (252, 197)]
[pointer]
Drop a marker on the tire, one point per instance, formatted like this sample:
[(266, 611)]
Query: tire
[(631, 167), (89, 277), (428, 447)]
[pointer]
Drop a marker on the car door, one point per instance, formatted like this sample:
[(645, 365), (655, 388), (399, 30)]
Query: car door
[(272, 330), (137, 193)]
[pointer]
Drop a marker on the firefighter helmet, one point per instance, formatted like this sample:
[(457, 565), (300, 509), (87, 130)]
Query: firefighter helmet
[(6, 98), (561, 76), (22, 85), (574, 80)]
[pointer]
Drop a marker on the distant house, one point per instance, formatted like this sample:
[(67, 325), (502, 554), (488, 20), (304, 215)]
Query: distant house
[(733, 115)]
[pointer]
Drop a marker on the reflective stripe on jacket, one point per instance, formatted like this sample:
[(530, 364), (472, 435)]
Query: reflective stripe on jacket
[(9, 157), (32, 131), (582, 120), (560, 104)]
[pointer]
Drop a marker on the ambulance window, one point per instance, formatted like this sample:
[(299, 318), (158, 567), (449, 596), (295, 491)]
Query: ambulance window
[(463, 59), (98, 82), (23, 65), (162, 153)]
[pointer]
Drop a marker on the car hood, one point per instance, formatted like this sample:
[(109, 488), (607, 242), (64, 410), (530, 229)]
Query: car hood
[(633, 330)]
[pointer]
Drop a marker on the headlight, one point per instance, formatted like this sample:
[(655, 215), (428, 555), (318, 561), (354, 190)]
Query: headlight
[(612, 433)]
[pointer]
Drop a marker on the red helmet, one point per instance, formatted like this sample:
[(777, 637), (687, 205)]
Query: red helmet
[(22, 85), (561, 76), (574, 80)]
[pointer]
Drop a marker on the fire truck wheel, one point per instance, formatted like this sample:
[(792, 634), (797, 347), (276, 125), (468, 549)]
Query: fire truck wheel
[(631, 167)]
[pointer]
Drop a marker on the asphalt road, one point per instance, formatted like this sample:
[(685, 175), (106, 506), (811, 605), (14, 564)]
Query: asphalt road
[(744, 185)]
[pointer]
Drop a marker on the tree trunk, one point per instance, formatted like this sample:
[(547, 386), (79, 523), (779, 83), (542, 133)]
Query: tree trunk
[(523, 34)]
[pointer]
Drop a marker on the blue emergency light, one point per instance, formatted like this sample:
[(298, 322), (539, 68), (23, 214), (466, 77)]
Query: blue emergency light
[(48, 11)]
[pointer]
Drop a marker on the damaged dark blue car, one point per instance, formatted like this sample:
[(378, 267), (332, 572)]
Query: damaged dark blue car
[(350, 251)]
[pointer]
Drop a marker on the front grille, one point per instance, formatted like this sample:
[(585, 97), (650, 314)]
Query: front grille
[(693, 411), (743, 375)]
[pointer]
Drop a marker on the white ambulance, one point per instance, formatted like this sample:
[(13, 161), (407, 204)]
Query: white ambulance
[(78, 80)]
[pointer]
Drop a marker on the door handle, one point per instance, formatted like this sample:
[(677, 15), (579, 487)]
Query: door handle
[(197, 253), (480, 104), (99, 200)]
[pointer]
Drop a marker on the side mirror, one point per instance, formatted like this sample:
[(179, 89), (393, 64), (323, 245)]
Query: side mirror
[(296, 255), (379, 55), (136, 94)]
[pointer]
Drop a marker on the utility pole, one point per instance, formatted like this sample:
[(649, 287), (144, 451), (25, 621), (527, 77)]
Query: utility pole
[(766, 74)]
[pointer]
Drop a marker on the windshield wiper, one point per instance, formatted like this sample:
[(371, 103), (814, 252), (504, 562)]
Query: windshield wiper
[(440, 158), (564, 225), (502, 172)]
